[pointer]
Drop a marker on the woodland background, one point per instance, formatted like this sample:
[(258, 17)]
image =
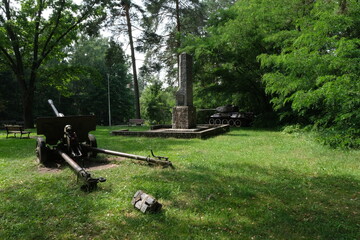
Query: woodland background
[(292, 62)]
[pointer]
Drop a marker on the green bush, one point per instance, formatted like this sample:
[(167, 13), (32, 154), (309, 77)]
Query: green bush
[(347, 138), (156, 103)]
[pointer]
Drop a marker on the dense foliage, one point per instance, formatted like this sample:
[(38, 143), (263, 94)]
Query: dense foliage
[(301, 56), (316, 76), (226, 68), (157, 102), (34, 32), (10, 106), (164, 24), (78, 84), (296, 58), (92, 66)]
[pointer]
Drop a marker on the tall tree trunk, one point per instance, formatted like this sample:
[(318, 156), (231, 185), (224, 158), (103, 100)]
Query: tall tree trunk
[(178, 29), (342, 6), (28, 102), (133, 60), (178, 26), (28, 93)]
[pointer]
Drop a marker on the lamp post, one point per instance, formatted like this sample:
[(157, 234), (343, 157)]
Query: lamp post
[(108, 78)]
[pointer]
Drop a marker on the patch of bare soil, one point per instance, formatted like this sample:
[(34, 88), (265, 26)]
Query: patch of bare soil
[(43, 169), (101, 164), (116, 159)]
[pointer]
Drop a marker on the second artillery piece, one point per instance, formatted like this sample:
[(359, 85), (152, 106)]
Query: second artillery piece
[(68, 137)]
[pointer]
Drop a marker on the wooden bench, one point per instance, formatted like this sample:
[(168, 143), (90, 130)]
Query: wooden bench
[(136, 121), (14, 129)]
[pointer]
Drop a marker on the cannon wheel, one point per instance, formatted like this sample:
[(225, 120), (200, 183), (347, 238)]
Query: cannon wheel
[(92, 143), (41, 151)]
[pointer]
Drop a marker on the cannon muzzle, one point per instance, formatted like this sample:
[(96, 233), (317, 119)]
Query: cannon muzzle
[(54, 109)]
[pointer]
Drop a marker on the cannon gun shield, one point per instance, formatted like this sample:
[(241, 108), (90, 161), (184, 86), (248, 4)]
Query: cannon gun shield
[(53, 127)]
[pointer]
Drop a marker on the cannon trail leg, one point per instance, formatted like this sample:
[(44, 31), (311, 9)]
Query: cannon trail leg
[(160, 160), (90, 183)]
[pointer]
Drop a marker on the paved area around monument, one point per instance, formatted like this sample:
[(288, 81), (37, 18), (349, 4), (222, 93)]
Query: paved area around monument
[(201, 131)]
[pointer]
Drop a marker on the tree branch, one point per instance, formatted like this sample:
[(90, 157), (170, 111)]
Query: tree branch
[(2, 19), (35, 63), (55, 27), (46, 52), (11, 63), (18, 64)]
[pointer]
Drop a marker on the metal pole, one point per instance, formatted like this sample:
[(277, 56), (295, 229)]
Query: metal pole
[(108, 78)]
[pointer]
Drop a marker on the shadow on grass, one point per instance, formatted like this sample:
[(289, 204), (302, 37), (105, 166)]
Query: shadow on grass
[(15, 148), (258, 203), (215, 201), (49, 208), (233, 201), (236, 134)]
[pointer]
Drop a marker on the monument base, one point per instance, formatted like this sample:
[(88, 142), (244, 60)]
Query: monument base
[(202, 131), (184, 117)]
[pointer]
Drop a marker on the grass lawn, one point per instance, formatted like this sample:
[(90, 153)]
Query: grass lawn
[(246, 184)]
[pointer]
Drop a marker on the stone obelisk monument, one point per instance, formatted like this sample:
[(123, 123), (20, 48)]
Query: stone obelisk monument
[(184, 114)]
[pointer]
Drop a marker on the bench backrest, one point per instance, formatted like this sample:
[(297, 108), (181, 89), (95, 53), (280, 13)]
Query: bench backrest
[(14, 128), (138, 121)]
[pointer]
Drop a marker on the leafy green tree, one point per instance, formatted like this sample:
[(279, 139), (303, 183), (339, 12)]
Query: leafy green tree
[(33, 32), (9, 105), (211, 7), (88, 93), (315, 77), (165, 23), (156, 103), (79, 85), (226, 66), (126, 4), (124, 16), (123, 97)]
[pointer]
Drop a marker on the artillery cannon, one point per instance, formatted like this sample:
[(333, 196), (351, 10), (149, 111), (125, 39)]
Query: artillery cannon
[(68, 137)]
